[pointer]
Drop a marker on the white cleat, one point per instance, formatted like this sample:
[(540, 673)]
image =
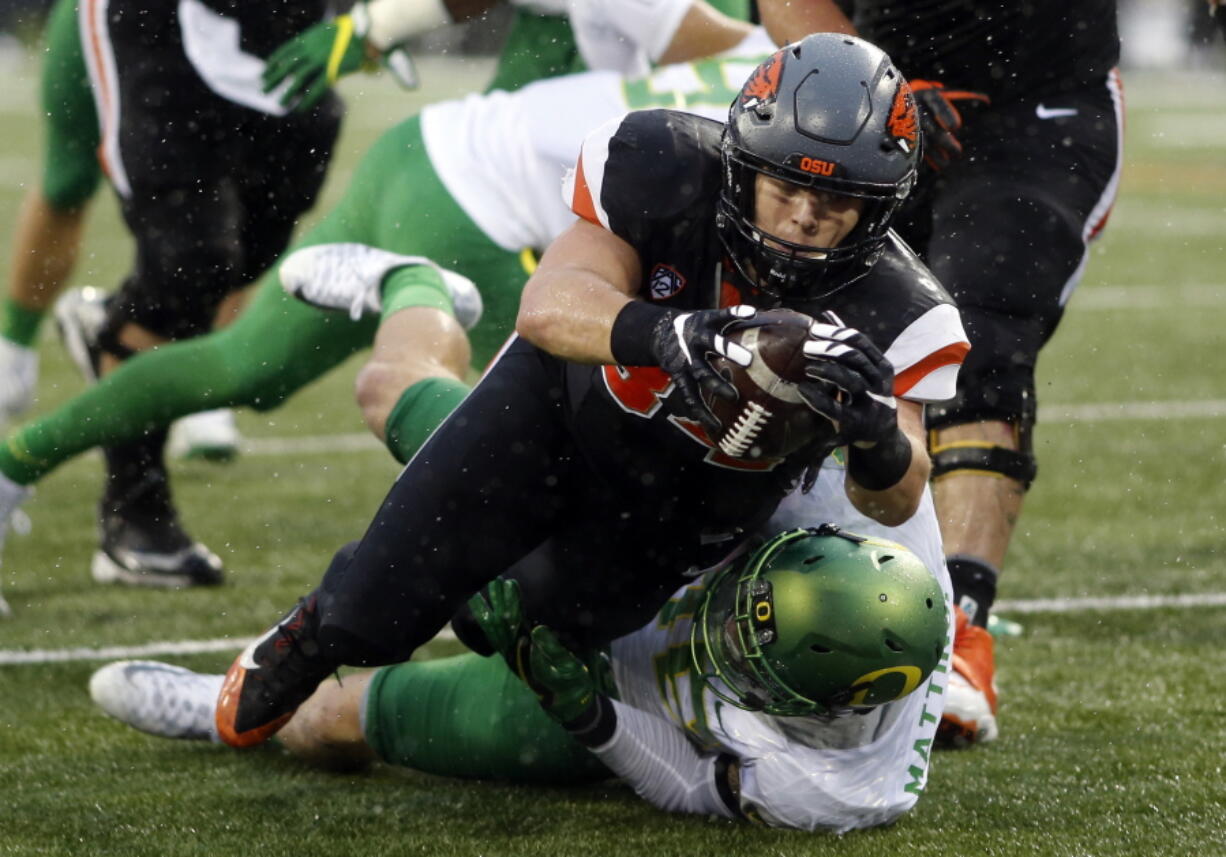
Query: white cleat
[(161, 699), (349, 277), (211, 435), (80, 315), (18, 377), (12, 496)]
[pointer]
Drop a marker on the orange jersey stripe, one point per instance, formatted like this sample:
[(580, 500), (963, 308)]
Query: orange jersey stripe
[(582, 203), (102, 91), (950, 355)]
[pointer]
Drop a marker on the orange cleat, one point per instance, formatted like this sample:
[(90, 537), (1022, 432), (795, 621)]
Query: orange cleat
[(270, 679), (970, 699)]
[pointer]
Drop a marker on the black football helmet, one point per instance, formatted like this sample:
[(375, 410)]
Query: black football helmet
[(829, 112)]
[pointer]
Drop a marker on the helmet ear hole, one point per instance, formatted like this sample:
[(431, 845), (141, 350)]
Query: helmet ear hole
[(928, 601), (815, 558), (893, 645), (820, 649)]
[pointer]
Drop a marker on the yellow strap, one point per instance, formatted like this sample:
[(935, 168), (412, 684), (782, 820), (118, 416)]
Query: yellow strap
[(528, 260), (964, 444), (344, 35)]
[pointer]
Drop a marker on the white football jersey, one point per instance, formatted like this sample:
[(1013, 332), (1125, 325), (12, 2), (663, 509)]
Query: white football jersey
[(502, 156), (625, 36), (804, 772)]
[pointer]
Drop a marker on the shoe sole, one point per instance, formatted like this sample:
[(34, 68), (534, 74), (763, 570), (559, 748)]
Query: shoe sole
[(105, 570), (75, 342), (227, 712)]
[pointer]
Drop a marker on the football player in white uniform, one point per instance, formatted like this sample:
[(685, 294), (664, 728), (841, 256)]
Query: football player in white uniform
[(798, 687)]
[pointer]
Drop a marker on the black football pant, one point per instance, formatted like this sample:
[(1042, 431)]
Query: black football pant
[(503, 486)]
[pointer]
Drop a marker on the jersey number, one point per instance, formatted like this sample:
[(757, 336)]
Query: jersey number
[(640, 390)]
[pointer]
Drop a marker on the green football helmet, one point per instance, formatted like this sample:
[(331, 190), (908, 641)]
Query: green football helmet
[(818, 620)]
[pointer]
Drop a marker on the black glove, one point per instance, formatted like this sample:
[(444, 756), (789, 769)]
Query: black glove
[(940, 120), (681, 345), (850, 383)]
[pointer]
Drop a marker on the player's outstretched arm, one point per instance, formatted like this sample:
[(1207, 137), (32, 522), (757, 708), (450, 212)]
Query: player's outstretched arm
[(869, 470), (569, 305), (790, 20)]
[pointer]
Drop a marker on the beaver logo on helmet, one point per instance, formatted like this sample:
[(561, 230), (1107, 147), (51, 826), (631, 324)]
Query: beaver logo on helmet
[(763, 85), (904, 118)]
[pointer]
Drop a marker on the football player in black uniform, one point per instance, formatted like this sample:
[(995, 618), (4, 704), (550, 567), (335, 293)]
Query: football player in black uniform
[(1016, 186), (212, 174), (582, 463)]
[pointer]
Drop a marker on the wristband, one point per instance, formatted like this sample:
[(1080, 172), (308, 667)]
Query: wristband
[(881, 465), (632, 335), (393, 21)]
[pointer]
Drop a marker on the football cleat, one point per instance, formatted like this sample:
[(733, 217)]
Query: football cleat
[(152, 551), (18, 377), (80, 315), (349, 277), (970, 698), (161, 699), (271, 678), (210, 435), (12, 496)]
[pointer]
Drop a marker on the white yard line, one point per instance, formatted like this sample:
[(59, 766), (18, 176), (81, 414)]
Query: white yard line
[(329, 444), (16, 657)]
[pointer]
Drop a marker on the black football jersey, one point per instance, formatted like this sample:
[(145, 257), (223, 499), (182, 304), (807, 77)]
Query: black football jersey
[(1008, 49), (653, 179), (265, 24)]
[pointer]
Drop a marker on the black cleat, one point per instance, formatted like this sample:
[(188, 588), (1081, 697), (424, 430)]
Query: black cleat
[(141, 550), (271, 678)]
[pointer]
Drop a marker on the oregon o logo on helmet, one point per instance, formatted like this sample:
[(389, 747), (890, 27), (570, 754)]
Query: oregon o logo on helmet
[(817, 166), (911, 676)]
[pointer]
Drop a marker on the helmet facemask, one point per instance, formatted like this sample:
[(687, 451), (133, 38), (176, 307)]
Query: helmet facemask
[(785, 270)]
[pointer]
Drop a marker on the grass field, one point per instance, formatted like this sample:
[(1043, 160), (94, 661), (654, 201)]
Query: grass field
[(1114, 720)]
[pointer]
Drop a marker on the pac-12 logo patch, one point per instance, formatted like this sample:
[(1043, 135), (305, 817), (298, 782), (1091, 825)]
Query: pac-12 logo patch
[(665, 281)]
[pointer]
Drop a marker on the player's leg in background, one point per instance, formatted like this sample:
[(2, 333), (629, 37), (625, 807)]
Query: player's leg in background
[(52, 216), (419, 368), (275, 347), (988, 220)]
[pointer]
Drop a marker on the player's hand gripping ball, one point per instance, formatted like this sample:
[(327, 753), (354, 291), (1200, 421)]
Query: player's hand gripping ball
[(769, 418)]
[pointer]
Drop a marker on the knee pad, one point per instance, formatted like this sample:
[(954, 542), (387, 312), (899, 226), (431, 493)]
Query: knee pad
[(985, 457)]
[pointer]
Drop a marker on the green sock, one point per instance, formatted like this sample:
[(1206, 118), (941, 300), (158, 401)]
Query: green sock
[(414, 286), (21, 324), (422, 407)]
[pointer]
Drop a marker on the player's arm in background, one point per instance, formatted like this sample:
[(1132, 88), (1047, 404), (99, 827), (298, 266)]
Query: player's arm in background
[(302, 70), (789, 20)]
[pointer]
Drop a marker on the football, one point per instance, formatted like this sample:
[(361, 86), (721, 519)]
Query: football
[(768, 419)]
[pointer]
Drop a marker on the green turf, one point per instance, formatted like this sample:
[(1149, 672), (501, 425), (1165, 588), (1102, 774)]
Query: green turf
[(1114, 723)]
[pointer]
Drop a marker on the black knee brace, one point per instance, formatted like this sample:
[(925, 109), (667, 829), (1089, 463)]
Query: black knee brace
[(986, 458), (971, 405)]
